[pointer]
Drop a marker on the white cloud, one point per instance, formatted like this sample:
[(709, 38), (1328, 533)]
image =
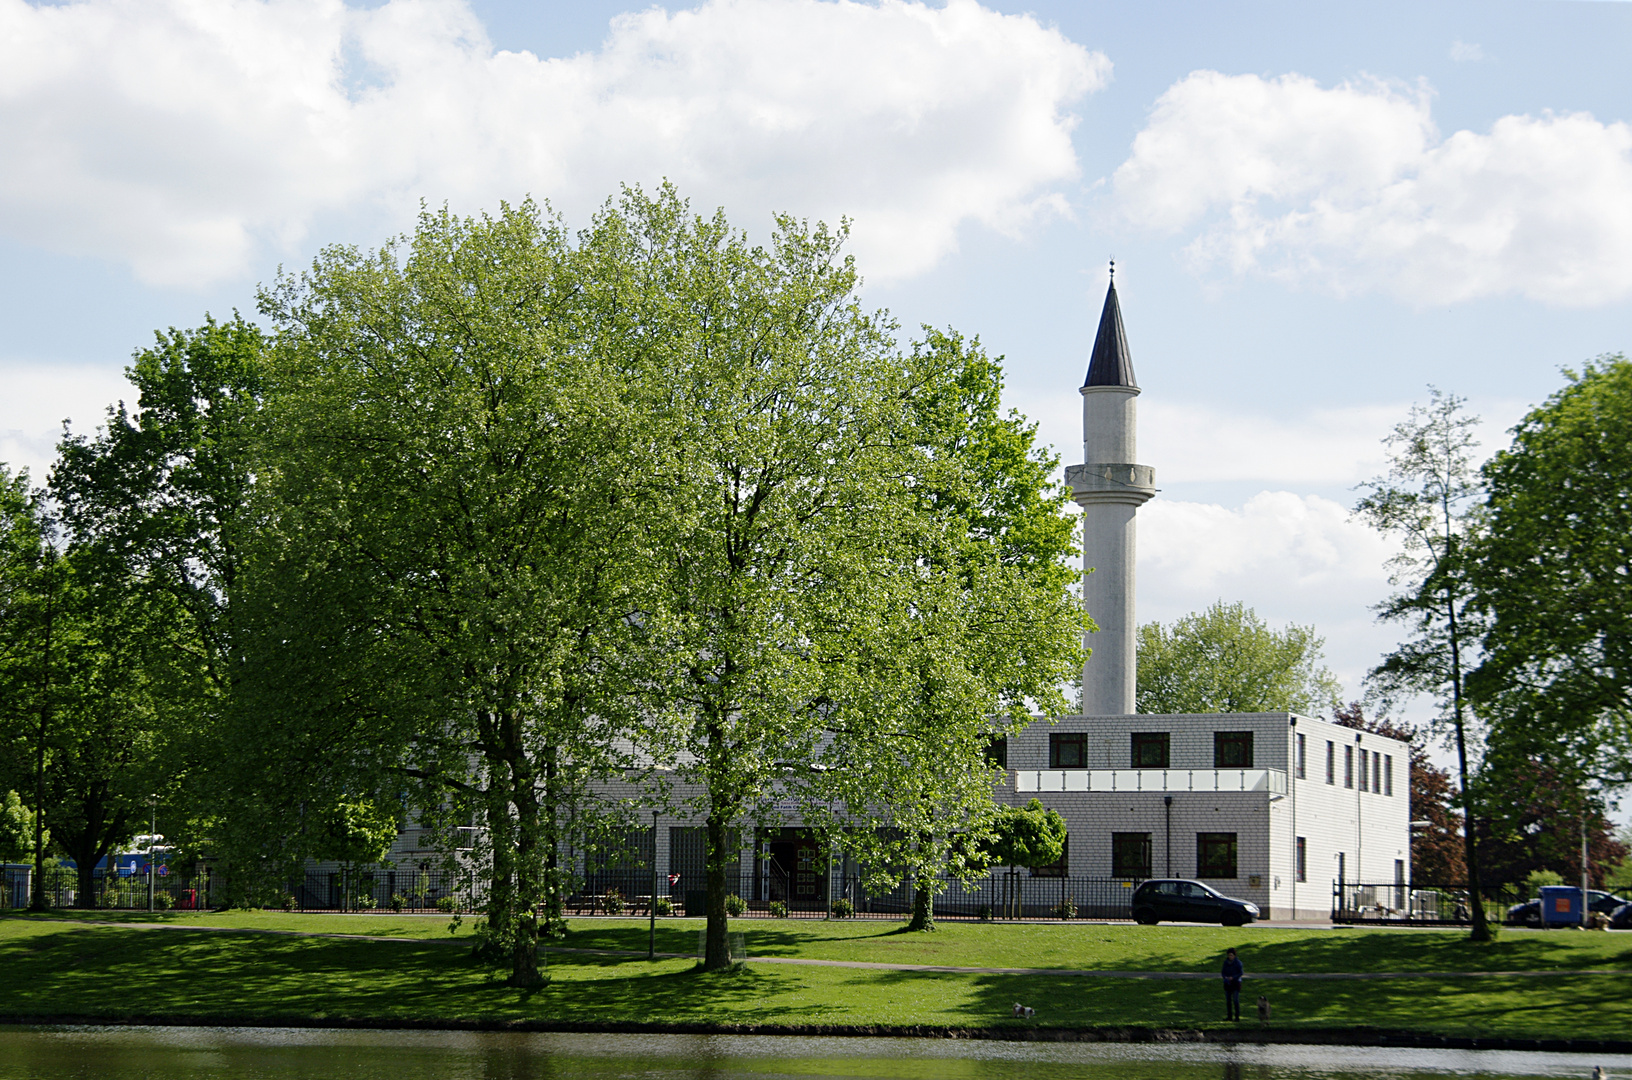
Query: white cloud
[(1290, 557), (1466, 52), (182, 137), (39, 397), (1352, 189)]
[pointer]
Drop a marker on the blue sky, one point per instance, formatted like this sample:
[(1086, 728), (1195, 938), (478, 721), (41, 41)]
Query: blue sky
[(1316, 209)]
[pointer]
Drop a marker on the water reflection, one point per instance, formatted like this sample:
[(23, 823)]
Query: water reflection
[(294, 1054)]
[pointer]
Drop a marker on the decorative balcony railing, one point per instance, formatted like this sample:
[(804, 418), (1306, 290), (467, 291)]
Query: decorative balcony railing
[(1272, 781)]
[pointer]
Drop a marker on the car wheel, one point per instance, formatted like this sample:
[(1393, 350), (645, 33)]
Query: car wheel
[(1235, 920), (1145, 918)]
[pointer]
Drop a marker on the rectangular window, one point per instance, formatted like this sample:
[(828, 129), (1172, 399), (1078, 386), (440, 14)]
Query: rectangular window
[(1303, 758), (1388, 774), (1331, 763), (1348, 766), (997, 753), (1365, 769), (1068, 751), (1376, 772), (1215, 855), (1130, 854), (1150, 749), (1058, 868), (1232, 749), (1303, 859)]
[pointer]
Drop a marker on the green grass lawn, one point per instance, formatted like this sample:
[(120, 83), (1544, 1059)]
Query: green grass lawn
[(97, 971)]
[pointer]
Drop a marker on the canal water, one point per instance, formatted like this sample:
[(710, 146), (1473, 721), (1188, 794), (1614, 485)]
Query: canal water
[(305, 1054)]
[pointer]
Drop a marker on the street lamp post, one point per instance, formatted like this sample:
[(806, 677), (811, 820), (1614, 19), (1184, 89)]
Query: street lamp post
[(651, 936)]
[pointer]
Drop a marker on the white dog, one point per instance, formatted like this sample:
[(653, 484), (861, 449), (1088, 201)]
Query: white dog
[(1024, 1012)]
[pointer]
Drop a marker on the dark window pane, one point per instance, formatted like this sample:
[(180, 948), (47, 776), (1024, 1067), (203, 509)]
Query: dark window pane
[(997, 753), (1303, 859), (1069, 751), (1215, 855), (1150, 749), (1232, 749), (1130, 854)]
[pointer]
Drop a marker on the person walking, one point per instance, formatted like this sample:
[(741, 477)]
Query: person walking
[(1233, 974)]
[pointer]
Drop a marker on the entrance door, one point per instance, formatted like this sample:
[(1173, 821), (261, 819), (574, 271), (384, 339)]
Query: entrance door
[(792, 869)]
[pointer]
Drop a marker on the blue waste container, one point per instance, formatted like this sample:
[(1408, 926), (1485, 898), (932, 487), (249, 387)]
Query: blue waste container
[(1560, 905)]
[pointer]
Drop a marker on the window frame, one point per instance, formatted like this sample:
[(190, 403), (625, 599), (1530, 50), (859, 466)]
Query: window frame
[(1059, 739), (1300, 858), (1303, 756), (1348, 766), (1161, 739), (1122, 840), (997, 752), (1208, 847), (1222, 739), (1388, 775), (1331, 762)]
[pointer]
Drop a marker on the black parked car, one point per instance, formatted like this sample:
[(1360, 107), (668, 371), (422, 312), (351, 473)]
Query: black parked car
[(1177, 900), (1529, 912)]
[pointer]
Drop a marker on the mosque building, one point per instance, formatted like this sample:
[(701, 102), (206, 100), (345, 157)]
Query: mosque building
[(1274, 808)]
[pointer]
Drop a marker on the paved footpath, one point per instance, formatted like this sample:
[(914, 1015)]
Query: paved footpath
[(866, 965)]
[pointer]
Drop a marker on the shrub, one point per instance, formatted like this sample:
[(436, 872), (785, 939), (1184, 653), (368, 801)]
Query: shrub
[(289, 902), (366, 902), (843, 909), (778, 909), (445, 905), (984, 913), (663, 907), (735, 906), (1534, 880), (1065, 909), (398, 901), (163, 901), (614, 901)]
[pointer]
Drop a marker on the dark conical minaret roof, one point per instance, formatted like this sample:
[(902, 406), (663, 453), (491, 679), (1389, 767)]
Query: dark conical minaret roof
[(1111, 365)]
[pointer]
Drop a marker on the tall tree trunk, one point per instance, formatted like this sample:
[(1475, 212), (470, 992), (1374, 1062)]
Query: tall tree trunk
[(1481, 927), (37, 900), (716, 951), (553, 913), (529, 866), (923, 900)]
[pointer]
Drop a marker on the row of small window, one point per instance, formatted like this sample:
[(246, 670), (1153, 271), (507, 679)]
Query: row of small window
[(1131, 855), (1151, 750), (1375, 772)]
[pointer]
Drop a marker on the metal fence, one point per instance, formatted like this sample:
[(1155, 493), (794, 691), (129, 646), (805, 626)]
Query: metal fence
[(375, 888), (1416, 904), (111, 891), (765, 894)]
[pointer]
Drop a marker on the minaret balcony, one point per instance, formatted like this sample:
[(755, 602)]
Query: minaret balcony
[(1100, 482)]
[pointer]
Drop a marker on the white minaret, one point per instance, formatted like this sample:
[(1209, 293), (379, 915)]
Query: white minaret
[(1110, 488)]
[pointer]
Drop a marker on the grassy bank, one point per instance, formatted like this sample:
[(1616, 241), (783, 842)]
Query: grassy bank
[(55, 968)]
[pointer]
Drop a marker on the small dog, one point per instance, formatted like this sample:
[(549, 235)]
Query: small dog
[(1263, 1009), (1024, 1012)]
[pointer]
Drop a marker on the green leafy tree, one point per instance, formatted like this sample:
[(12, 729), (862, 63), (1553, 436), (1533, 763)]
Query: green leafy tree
[(355, 833), (1026, 836), (1429, 501), (1226, 659), (151, 507), (16, 829), (36, 603), (454, 524), (1001, 637), (1536, 825), (1550, 577)]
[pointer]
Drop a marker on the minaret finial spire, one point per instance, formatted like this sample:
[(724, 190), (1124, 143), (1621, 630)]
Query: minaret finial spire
[(1113, 271)]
